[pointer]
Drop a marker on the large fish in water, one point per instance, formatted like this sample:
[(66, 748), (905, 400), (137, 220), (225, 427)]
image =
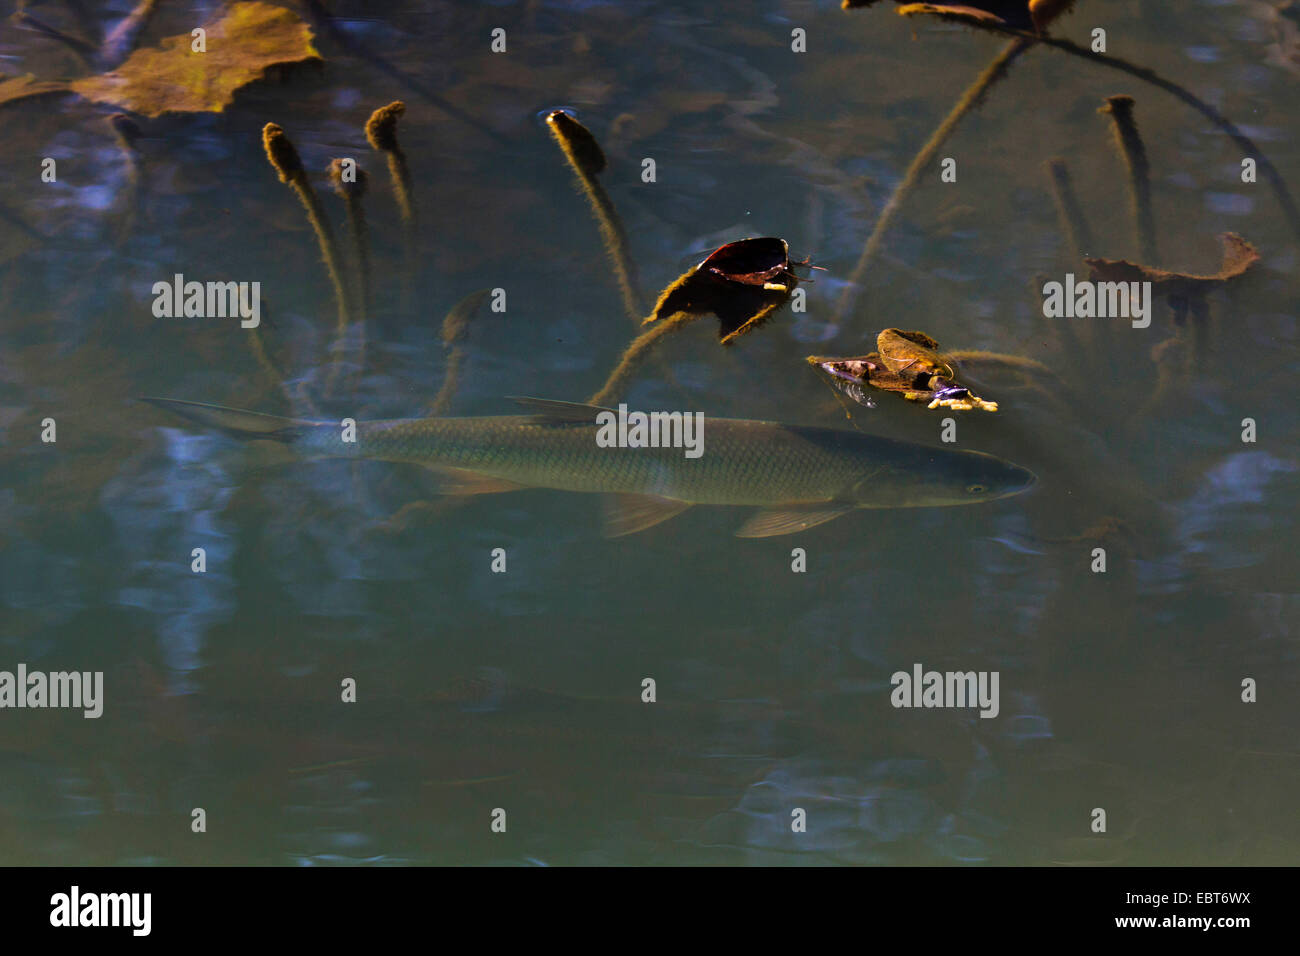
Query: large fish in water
[(799, 476)]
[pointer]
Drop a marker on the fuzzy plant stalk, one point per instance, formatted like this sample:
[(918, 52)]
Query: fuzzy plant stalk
[(586, 159), (636, 353), (1068, 345), (1033, 374), (1074, 223), (126, 132), (350, 182), (284, 159), (968, 102), (381, 133), (1248, 148), (455, 329), (1172, 359), (121, 40), (1134, 153), (276, 379), (274, 372), (84, 50)]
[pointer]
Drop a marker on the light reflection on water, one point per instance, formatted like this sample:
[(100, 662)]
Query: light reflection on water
[(522, 690)]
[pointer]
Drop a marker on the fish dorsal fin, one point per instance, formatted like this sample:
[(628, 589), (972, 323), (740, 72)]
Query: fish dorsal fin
[(790, 518), (546, 409), (629, 513)]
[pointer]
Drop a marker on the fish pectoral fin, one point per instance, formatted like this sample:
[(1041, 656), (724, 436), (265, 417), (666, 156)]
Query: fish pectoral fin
[(628, 513), (788, 519), (546, 409), (458, 481)]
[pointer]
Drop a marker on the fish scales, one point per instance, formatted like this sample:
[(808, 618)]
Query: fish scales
[(799, 475), (743, 462)]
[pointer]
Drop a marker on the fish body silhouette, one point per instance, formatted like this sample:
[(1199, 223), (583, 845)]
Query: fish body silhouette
[(799, 476)]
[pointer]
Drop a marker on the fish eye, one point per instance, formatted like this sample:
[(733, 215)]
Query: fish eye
[(976, 489)]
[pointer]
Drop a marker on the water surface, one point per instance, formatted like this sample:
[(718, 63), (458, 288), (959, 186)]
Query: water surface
[(522, 690)]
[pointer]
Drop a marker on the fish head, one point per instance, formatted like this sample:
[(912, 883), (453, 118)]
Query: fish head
[(942, 478)]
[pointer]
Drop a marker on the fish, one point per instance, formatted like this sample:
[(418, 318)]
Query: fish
[(799, 476)]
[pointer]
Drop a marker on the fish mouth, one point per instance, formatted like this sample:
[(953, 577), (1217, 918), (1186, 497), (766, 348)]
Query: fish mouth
[(1024, 480), (1005, 479)]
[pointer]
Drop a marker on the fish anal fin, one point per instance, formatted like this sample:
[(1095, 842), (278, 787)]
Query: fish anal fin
[(630, 513), (458, 481), (788, 519), (546, 409)]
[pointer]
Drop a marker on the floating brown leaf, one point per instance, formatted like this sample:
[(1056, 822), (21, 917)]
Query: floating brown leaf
[(22, 87), (248, 39), (742, 283), (1238, 256), (951, 11), (912, 353), (907, 362), (739, 308), (1019, 14), (1284, 20)]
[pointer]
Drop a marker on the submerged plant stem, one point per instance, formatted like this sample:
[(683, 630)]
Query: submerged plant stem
[(329, 252), (1240, 139), (282, 155), (636, 353), (126, 132), (85, 51), (381, 132), (274, 373), (586, 160), (454, 329), (969, 100), (611, 230), (1075, 225), (1073, 221), (122, 38), (350, 184), (361, 245), (1134, 152)]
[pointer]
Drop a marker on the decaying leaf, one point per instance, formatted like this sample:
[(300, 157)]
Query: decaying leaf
[(909, 363), (912, 353), (1018, 14), (247, 40), (1238, 256), (1284, 22), (22, 87), (742, 283), (953, 11)]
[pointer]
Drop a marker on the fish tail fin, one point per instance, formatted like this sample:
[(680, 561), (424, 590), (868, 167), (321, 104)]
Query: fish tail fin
[(246, 426)]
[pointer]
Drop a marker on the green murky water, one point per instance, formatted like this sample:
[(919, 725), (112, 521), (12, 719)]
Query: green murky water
[(523, 690)]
